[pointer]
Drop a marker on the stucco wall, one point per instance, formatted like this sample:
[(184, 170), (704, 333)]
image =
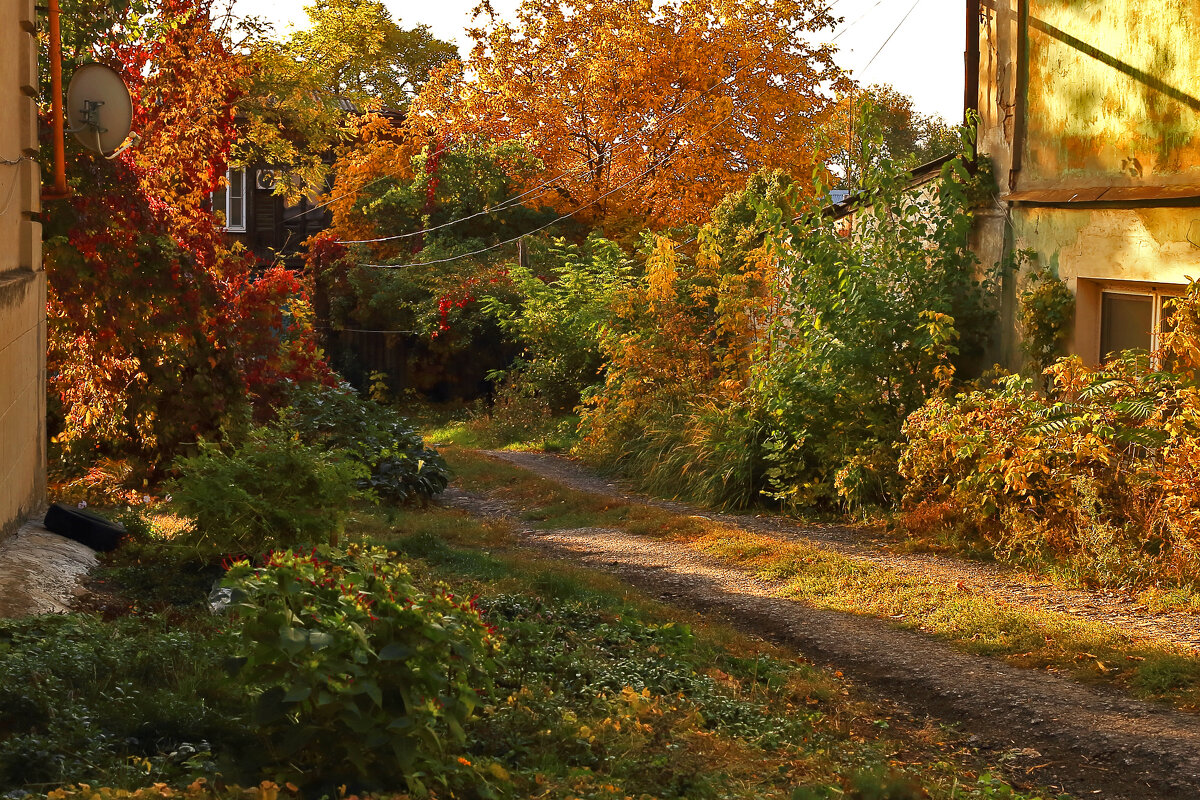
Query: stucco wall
[(1101, 96), (1112, 90), (22, 281), (1091, 249)]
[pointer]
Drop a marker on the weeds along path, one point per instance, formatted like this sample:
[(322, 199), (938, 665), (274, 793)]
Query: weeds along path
[(1011, 586), (1049, 729)]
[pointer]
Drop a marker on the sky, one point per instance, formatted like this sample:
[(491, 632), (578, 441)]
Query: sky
[(923, 58)]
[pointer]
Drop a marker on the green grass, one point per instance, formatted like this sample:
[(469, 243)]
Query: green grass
[(605, 693), (1088, 651), (478, 429)]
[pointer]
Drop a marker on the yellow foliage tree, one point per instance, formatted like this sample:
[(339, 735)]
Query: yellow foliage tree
[(353, 55), (655, 110)]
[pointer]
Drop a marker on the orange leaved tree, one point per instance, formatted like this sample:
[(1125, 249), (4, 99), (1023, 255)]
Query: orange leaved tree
[(655, 110)]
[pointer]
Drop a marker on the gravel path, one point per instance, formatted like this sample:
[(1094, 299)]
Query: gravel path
[(1051, 730), (1015, 587)]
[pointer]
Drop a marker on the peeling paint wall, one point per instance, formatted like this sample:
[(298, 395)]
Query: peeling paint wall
[(1098, 93), (22, 281), (1111, 97)]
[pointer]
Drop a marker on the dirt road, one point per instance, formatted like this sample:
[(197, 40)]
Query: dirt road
[(1050, 730)]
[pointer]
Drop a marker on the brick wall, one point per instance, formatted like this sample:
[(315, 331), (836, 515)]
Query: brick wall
[(22, 280)]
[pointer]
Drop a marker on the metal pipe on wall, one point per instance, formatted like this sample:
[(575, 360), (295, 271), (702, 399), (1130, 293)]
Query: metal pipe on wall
[(60, 190)]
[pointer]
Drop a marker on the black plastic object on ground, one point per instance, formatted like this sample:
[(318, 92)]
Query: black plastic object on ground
[(90, 529)]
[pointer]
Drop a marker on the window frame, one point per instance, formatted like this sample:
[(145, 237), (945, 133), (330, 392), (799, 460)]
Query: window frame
[(1158, 294), (231, 199)]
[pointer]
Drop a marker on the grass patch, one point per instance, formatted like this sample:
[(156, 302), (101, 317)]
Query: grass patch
[(974, 623), (605, 693), (476, 428), (600, 691)]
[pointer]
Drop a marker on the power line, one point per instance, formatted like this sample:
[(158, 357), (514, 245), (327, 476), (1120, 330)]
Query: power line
[(890, 35), (569, 214), (544, 187)]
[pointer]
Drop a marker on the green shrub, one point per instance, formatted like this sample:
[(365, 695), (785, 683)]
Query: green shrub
[(402, 468), (881, 310), (357, 674), (271, 491), (121, 703), (1047, 311), (676, 412), (558, 319)]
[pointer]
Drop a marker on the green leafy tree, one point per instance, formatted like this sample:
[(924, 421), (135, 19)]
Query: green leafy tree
[(559, 315), (427, 285), (882, 305), (878, 122), (354, 49)]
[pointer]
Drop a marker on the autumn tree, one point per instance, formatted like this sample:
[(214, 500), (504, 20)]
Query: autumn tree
[(651, 111), (384, 185), (158, 332), (357, 51), (294, 110), (879, 122)]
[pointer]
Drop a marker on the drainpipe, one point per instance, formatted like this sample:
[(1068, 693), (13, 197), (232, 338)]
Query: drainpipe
[(1020, 96), (971, 76), (60, 190)]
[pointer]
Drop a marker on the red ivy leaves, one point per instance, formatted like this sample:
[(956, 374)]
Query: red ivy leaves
[(158, 330)]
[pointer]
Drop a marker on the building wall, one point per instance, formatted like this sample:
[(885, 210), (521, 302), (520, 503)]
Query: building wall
[(1111, 93), (1078, 101), (22, 281), (991, 236), (1145, 250)]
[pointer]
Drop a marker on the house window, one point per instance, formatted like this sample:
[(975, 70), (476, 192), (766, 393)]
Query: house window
[(232, 200), (1132, 319)]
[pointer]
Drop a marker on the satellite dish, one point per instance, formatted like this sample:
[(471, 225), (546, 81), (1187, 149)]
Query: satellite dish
[(99, 108)]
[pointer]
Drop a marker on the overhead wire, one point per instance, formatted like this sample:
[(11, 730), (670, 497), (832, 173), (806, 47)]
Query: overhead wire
[(890, 35), (545, 186), (570, 214)]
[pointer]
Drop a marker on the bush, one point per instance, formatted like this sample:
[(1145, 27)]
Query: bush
[(558, 318), (681, 348), (402, 468), (272, 491), (357, 674), (880, 311), (1099, 473), (1047, 311)]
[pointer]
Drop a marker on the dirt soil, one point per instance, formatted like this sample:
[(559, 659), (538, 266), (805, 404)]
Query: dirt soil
[(1048, 730)]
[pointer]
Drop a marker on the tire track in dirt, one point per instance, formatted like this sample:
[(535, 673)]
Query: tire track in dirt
[(1050, 730), (1015, 587)]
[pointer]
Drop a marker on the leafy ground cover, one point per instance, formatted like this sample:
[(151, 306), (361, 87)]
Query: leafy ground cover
[(596, 692), (1087, 651), (604, 693)]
